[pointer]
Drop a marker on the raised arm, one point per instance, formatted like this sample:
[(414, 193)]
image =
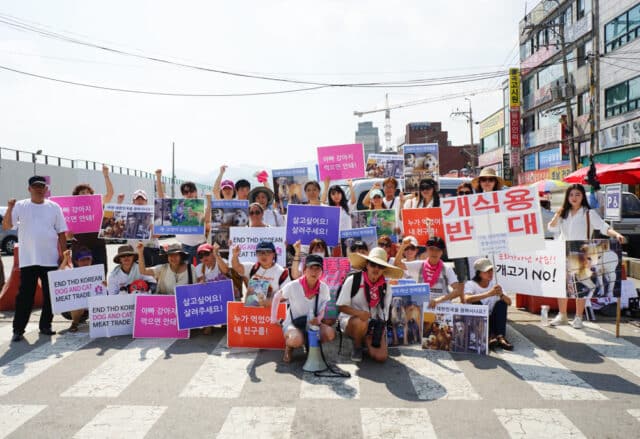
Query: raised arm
[(159, 187), (7, 222), (106, 198), (216, 183), (141, 266), (235, 260), (222, 265), (325, 192), (295, 264)]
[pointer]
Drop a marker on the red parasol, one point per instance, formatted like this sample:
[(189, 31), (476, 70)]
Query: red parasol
[(627, 173), (580, 175)]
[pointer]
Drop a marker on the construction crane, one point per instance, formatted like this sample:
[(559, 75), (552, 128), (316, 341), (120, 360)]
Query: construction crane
[(387, 109)]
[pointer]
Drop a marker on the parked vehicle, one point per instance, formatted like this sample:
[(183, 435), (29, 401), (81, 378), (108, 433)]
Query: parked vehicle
[(629, 225), (8, 238)]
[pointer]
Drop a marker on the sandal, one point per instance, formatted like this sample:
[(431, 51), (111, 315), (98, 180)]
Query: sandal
[(73, 327), (493, 343), (504, 344), (287, 354)]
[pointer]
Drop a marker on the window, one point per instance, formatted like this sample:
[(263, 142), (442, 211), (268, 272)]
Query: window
[(566, 17), (529, 123), (622, 98), (583, 51), (622, 29), (584, 103), (582, 8)]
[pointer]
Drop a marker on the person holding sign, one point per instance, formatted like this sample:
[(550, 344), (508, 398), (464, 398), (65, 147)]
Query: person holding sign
[(306, 296), (178, 271), (312, 192), (82, 258), (427, 197), (256, 215), (364, 303), (212, 268), (264, 197), (223, 190), (265, 277), (126, 276), (488, 181), (442, 280), (335, 196), (575, 220), (484, 289)]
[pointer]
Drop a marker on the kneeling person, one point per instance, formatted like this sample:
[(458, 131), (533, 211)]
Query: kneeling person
[(306, 295), (367, 305)]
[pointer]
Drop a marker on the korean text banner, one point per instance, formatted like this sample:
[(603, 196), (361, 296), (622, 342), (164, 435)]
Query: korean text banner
[(82, 213), (224, 215), (126, 221), (249, 237), (406, 314), (385, 165), (333, 274), (251, 327), (201, 305), (71, 289), (288, 186), (306, 223), (455, 327), (155, 317), (341, 161), (178, 216), (540, 273), (423, 223), (110, 316), (368, 235), (493, 222)]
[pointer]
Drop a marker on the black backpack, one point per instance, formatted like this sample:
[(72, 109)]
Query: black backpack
[(281, 279)]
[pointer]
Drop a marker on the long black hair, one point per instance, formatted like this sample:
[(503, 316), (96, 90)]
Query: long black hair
[(476, 278), (429, 182), (343, 200), (566, 206)]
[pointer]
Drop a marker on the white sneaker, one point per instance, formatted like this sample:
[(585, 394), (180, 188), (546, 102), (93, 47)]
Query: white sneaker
[(577, 323), (560, 319)]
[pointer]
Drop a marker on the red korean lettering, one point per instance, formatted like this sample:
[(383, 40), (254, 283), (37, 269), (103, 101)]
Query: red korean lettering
[(459, 231), (518, 199), (525, 223), (486, 201)]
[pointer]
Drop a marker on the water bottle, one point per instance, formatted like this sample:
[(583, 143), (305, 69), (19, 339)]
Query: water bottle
[(544, 315), (310, 317)]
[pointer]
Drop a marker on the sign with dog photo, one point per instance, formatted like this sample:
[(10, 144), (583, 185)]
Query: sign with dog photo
[(405, 319), (288, 186), (420, 161), (384, 220), (126, 221), (348, 237), (456, 327), (224, 215), (178, 216), (385, 165)]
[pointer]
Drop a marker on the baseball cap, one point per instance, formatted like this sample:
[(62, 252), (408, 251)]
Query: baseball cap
[(312, 260), (205, 248), (436, 241), (412, 240), (377, 193), (266, 245), (82, 254), (227, 184), (483, 265), (37, 179), (140, 194)]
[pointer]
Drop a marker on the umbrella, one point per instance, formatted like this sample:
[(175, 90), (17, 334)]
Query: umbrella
[(627, 173), (580, 175), (545, 186)]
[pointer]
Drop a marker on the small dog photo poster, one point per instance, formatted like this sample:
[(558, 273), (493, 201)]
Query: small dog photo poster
[(226, 214), (405, 316), (420, 161), (455, 327)]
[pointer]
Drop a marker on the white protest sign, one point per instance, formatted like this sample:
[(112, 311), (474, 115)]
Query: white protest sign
[(249, 237), (540, 273), (71, 289), (110, 316)]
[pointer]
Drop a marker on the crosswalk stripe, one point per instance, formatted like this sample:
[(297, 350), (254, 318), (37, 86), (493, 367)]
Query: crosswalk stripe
[(536, 423), (313, 387), (111, 377), (14, 415), (618, 350), (261, 422), (396, 423), (222, 375), (32, 364), (6, 332), (436, 375), (130, 421), (635, 413), (546, 375)]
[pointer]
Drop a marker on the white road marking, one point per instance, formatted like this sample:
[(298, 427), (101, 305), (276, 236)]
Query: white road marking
[(537, 423), (396, 423), (313, 387), (14, 415), (126, 421), (258, 422)]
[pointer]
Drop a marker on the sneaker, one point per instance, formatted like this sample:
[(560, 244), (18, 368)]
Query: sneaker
[(47, 331), (560, 319), (577, 323), (356, 355), (17, 337)]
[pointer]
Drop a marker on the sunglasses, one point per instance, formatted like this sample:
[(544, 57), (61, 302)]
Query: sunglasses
[(464, 193), (255, 212), (426, 188), (384, 245)]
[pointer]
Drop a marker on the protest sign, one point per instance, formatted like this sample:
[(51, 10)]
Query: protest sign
[(82, 213), (126, 221), (110, 316), (155, 317), (224, 215), (493, 222), (333, 274), (385, 165), (422, 223), (594, 270), (456, 327), (406, 314), (201, 305), (368, 235), (306, 222), (251, 327), (178, 216), (288, 186), (420, 161), (341, 161), (384, 220), (249, 237), (71, 289)]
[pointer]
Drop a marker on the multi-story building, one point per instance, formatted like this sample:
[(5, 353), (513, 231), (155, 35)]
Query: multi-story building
[(426, 132), (367, 134), (492, 142), (619, 80), (555, 33)]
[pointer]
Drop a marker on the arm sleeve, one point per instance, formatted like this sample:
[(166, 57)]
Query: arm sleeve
[(345, 293), (414, 268), (61, 224), (324, 297), (15, 214), (597, 223), (452, 277), (555, 228), (469, 288)]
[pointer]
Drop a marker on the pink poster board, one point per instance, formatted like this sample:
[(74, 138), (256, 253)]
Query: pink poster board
[(341, 161), (155, 317), (83, 213)]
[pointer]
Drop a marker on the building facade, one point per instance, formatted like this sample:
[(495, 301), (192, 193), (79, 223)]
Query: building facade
[(368, 135)]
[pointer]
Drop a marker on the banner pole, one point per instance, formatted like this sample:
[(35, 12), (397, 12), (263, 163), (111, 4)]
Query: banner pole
[(618, 318)]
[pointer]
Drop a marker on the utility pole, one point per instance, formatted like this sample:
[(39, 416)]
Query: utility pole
[(567, 97), (387, 123), (594, 80), (469, 116), (173, 169)]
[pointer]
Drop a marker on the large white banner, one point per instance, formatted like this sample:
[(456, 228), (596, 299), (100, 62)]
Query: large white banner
[(71, 289), (249, 237), (110, 316), (540, 273), (493, 222)]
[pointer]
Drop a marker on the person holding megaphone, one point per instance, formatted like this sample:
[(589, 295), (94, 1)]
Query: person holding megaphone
[(307, 298)]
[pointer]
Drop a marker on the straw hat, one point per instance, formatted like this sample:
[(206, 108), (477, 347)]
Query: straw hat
[(487, 172), (378, 256), (255, 191)]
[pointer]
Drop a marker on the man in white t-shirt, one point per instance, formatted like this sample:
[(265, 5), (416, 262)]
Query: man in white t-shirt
[(41, 233)]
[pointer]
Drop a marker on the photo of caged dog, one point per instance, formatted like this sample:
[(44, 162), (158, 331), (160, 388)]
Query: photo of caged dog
[(405, 321)]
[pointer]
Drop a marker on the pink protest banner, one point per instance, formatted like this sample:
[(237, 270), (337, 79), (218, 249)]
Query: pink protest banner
[(251, 327), (83, 213), (155, 317), (341, 161)]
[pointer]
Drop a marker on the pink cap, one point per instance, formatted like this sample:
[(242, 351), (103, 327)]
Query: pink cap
[(227, 184), (205, 248)]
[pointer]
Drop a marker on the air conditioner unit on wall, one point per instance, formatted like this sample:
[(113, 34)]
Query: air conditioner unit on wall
[(556, 93)]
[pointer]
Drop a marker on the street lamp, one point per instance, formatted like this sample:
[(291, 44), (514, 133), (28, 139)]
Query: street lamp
[(38, 152)]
